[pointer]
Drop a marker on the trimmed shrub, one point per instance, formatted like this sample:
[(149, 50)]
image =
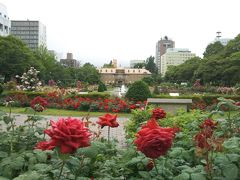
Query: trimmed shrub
[(138, 91), (102, 87)]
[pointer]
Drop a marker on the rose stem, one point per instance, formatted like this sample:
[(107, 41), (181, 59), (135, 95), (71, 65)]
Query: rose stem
[(155, 165), (108, 133), (63, 163)]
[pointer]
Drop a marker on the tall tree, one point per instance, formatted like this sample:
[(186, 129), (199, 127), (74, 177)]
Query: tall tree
[(15, 57), (150, 65), (213, 49)]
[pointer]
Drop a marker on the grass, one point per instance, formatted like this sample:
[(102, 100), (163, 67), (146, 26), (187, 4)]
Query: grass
[(58, 112)]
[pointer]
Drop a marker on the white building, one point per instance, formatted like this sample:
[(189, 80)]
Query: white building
[(5, 24), (33, 33), (134, 62), (174, 56)]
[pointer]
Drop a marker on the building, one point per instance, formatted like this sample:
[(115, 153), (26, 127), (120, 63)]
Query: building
[(174, 56), (33, 33), (56, 54), (134, 62), (5, 23), (161, 47), (69, 61), (121, 76)]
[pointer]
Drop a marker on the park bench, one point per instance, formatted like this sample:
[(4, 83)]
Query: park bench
[(170, 105)]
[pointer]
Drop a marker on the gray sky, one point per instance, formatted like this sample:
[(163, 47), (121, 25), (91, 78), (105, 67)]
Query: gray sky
[(97, 31)]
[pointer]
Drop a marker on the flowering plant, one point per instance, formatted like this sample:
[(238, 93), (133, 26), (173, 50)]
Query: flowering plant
[(29, 80), (158, 113), (38, 104), (68, 134), (153, 140)]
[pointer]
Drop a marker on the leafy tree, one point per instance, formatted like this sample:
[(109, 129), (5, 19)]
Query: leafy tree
[(232, 47), (139, 90), (88, 73), (15, 57), (139, 65), (183, 72), (110, 65), (213, 49), (150, 65)]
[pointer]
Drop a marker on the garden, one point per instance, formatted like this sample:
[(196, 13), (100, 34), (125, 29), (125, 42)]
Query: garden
[(203, 144)]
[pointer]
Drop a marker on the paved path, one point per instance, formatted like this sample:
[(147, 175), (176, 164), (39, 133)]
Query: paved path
[(115, 133)]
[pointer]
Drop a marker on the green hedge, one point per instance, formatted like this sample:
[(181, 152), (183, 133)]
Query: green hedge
[(27, 93), (93, 95), (31, 95)]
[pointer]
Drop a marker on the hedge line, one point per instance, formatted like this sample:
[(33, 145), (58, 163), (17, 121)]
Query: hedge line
[(31, 95)]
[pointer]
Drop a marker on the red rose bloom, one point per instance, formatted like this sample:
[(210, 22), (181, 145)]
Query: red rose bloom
[(108, 120), (237, 103), (202, 141), (67, 134), (38, 104), (44, 145), (153, 140), (208, 123), (158, 113)]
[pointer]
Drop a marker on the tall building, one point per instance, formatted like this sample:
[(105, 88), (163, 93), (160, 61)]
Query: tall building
[(69, 61), (174, 56), (161, 47), (134, 62), (33, 33), (5, 24)]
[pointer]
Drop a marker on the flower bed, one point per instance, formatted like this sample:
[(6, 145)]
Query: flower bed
[(186, 146)]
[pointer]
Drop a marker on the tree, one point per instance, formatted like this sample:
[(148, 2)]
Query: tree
[(183, 72), (110, 65), (15, 57), (139, 65), (150, 65), (139, 91), (213, 49), (88, 73)]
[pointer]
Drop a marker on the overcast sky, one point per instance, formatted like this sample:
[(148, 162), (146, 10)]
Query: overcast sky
[(97, 31)]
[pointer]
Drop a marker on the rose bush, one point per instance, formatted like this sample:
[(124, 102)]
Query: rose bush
[(153, 140), (158, 113), (108, 120), (38, 104), (68, 134)]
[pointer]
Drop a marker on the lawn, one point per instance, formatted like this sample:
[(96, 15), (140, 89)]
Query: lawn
[(58, 112)]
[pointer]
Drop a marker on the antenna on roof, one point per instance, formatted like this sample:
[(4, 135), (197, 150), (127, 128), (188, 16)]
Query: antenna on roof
[(218, 35)]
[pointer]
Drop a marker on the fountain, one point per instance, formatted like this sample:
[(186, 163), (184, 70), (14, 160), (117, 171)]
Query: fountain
[(123, 90)]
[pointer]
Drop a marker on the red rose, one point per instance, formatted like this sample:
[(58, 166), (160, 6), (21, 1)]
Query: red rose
[(237, 103), (158, 113), (208, 123), (201, 140), (38, 104), (153, 140), (45, 145), (108, 120), (68, 134)]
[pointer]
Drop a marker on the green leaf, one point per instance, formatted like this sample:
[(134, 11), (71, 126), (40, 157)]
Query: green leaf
[(88, 151), (232, 143), (230, 171), (176, 152), (29, 176), (197, 176), (3, 154), (183, 176), (3, 178), (18, 163), (144, 174), (233, 157), (41, 156)]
